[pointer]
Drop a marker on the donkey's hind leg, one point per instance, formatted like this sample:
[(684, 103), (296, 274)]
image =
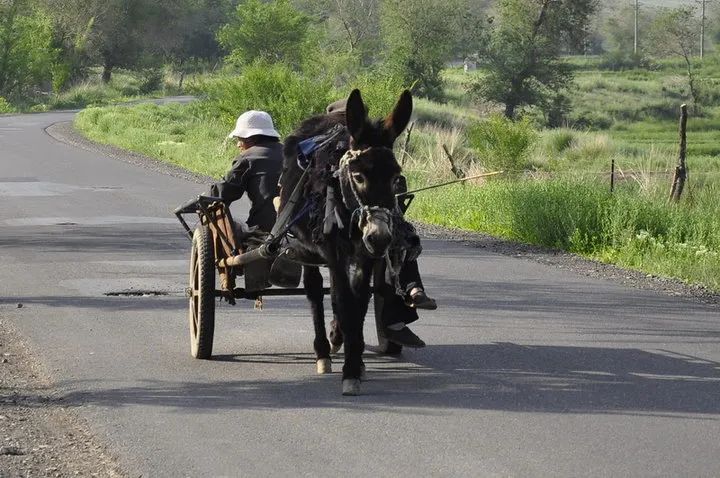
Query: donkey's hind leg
[(313, 282)]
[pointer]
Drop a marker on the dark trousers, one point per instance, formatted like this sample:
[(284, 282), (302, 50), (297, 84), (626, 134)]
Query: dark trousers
[(393, 307)]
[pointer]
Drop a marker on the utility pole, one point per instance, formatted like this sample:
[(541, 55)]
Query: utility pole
[(637, 11)]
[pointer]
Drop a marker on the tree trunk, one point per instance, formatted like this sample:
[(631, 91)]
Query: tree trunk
[(510, 110), (678, 183), (691, 83), (107, 73)]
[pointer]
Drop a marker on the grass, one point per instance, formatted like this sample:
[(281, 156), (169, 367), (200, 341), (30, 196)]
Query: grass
[(124, 86), (172, 133), (627, 228)]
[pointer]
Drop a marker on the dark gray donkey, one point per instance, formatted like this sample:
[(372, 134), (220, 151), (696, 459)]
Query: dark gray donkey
[(338, 186)]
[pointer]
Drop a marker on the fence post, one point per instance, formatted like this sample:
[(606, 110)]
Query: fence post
[(678, 182), (407, 143), (612, 175), (459, 173)]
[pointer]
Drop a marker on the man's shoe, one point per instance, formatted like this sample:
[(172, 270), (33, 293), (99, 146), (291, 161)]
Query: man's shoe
[(404, 337), (420, 300)]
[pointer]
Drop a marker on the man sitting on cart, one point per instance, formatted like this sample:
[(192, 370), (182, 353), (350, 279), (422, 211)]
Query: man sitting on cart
[(256, 170)]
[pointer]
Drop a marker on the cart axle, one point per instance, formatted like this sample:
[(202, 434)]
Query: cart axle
[(240, 293)]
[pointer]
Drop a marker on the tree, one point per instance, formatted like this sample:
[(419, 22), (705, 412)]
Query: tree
[(523, 54), (188, 37), (418, 38), (675, 32), (73, 23), (270, 31), (26, 52), (469, 32), (352, 26)]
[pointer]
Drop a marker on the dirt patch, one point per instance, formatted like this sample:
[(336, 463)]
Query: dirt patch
[(39, 435)]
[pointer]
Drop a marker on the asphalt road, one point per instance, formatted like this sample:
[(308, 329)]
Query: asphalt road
[(530, 370)]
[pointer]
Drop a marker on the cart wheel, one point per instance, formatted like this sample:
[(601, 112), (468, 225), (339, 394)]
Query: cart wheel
[(202, 294), (384, 345)]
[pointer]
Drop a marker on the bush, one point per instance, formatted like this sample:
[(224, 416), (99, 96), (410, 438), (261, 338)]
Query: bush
[(593, 120), (151, 79), (288, 96), (502, 143), (5, 107), (379, 92), (618, 60)]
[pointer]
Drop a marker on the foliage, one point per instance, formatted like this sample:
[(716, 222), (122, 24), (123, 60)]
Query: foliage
[(269, 31), (501, 143), (523, 51), (288, 96), (5, 107), (380, 92), (26, 54), (352, 27), (675, 33), (417, 37)]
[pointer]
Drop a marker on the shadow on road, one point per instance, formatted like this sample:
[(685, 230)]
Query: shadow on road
[(499, 376)]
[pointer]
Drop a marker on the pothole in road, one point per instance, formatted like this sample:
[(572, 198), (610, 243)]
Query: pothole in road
[(137, 293)]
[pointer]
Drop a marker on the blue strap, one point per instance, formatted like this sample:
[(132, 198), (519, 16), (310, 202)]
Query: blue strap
[(307, 147)]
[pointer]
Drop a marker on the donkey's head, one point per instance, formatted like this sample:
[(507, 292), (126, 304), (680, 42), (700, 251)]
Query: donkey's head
[(370, 169)]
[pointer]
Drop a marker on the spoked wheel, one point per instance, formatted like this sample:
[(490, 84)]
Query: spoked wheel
[(384, 345), (202, 294)]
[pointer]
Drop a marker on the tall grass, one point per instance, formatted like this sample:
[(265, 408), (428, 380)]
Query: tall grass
[(626, 228)]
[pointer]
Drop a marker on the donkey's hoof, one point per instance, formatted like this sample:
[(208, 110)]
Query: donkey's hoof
[(363, 372), (351, 387), (335, 348), (324, 366)]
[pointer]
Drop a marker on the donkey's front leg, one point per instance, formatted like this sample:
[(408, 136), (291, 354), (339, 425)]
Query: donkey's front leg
[(313, 282), (349, 300)]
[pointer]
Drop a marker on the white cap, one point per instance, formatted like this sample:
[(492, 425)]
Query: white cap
[(252, 123)]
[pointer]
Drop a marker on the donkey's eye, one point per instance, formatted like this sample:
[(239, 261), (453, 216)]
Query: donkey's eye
[(358, 177)]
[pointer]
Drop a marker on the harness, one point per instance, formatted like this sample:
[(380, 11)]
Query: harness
[(361, 213)]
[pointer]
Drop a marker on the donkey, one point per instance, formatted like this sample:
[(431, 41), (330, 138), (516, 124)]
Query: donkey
[(357, 169)]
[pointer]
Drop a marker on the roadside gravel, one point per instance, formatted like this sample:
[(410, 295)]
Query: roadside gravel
[(39, 434)]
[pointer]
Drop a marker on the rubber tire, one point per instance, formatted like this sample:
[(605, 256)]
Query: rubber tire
[(384, 347), (201, 312)]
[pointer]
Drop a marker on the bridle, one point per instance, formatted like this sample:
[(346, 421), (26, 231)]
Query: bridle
[(362, 213)]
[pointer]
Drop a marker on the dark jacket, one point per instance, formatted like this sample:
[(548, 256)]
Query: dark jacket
[(256, 172)]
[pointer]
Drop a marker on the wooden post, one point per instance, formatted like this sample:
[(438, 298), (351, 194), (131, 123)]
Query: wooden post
[(407, 143), (612, 175), (680, 176), (459, 173)]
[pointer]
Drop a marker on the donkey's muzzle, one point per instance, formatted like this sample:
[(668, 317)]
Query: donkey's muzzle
[(377, 234)]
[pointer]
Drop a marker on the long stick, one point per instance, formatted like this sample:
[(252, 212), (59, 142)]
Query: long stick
[(483, 175)]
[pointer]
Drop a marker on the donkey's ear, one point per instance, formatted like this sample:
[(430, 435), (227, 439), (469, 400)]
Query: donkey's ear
[(355, 114), (397, 121)]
